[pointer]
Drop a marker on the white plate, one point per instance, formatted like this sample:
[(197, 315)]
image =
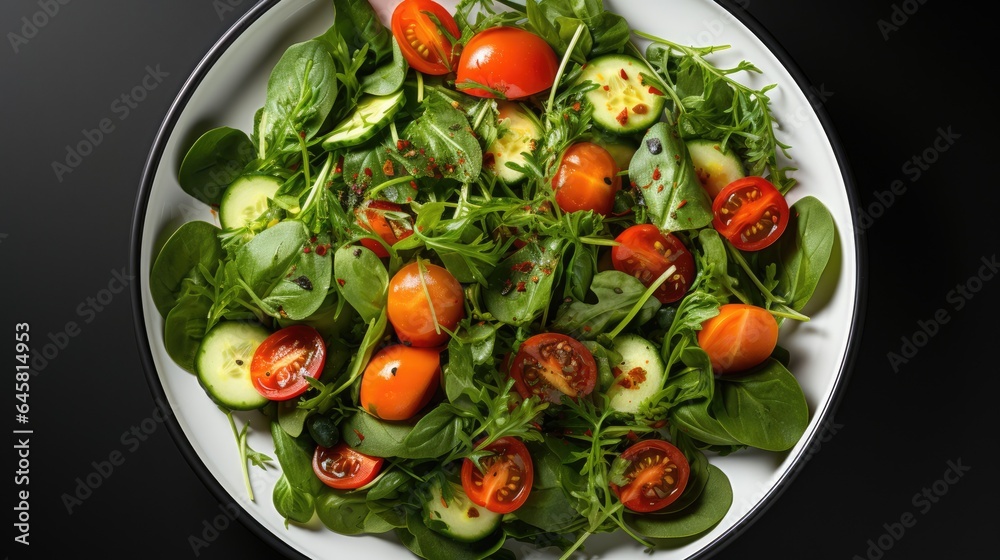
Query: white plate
[(226, 89)]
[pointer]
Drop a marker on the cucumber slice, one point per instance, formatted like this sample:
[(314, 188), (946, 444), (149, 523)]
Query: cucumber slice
[(622, 104), (246, 199), (714, 166), (223, 364), (372, 113), (457, 517), (520, 132), (639, 374)]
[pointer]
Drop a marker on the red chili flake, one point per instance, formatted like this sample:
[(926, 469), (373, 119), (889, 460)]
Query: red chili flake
[(402, 144), (421, 150), (340, 165), (587, 328), (622, 117), (607, 88), (321, 249), (623, 74), (640, 109), (536, 426), (656, 174), (489, 160), (302, 134), (658, 424), (387, 168), (472, 513), (341, 281), (534, 279), (681, 204), (632, 436), (576, 106), (655, 91), (523, 267), (589, 433), (521, 287), (313, 239), (361, 437), (413, 185), (368, 172), (430, 159), (659, 188), (306, 249)]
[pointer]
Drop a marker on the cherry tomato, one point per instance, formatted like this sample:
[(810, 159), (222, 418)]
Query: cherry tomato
[(739, 337), (586, 179), (399, 381), (282, 362), (511, 62), (505, 480), (425, 47), (551, 365), (425, 303), (386, 219), (655, 475), (646, 253), (343, 468), (750, 213)]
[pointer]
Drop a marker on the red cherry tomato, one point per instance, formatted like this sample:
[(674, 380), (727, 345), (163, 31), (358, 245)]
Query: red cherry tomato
[(282, 362), (425, 302), (740, 337), (344, 468), (586, 179), (425, 47), (386, 219), (750, 213), (655, 475), (399, 381), (505, 480), (550, 365), (645, 253), (510, 62)]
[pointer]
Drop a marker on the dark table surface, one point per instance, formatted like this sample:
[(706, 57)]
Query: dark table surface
[(902, 473)]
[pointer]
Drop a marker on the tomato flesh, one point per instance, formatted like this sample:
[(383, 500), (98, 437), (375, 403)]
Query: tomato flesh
[(586, 179), (281, 363), (399, 381), (425, 47), (643, 251), (550, 365), (503, 480), (740, 337), (386, 219), (655, 475), (510, 62), (344, 468), (751, 213), (425, 302)]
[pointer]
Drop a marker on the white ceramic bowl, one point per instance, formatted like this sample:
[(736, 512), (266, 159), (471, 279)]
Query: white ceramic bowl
[(228, 86)]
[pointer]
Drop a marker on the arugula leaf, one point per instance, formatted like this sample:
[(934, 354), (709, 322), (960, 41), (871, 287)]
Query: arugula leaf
[(520, 287)]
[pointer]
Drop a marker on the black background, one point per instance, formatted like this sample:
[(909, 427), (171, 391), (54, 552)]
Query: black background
[(888, 93)]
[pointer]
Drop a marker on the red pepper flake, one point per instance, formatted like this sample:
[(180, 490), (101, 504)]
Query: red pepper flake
[(632, 436), (421, 150), (589, 433), (576, 106), (341, 281), (361, 437), (430, 159), (622, 117), (623, 74), (655, 91), (658, 424), (306, 249), (472, 513), (413, 185), (368, 172), (607, 88), (656, 174), (402, 144), (313, 239), (340, 165), (587, 328), (321, 250), (681, 204), (387, 168), (523, 267), (302, 134), (521, 287), (659, 188), (640, 109)]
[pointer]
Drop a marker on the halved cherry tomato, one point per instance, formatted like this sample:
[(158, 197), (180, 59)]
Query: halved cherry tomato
[(386, 219), (425, 47), (645, 253), (739, 337), (282, 362), (399, 381), (344, 468), (425, 302), (510, 62), (550, 365), (502, 481), (750, 213), (586, 179), (655, 475)]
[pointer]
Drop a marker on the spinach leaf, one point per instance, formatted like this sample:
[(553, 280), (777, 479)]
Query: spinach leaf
[(434, 435), (184, 328), (702, 515), (192, 245), (443, 143), (295, 457), (694, 419), (375, 437), (214, 161), (389, 77), (520, 287), (616, 292), (348, 513), (359, 24), (802, 252), (556, 22), (292, 503), (764, 408), (301, 91), (663, 171), (362, 279), (428, 544)]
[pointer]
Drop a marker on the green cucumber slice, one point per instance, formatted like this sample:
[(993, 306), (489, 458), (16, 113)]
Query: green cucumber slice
[(639, 374), (457, 517), (223, 364), (714, 166), (246, 199), (622, 104), (520, 132), (372, 113)]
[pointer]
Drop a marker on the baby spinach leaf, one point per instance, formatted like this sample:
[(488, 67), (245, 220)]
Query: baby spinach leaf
[(184, 328), (214, 161), (193, 244), (764, 408), (301, 91), (443, 143), (663, 171), (802, 252), (359, 24), (362, 279), (616, 292), (520, 287), (373, 436), (434, 435), (425, 543), (556, 22), (295, 457), (389, 77), (348, 513), (702, 515), (291, 503), (694, 419)]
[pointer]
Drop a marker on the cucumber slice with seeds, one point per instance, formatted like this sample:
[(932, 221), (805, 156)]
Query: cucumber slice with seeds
[(246, 199), (372, 113), (223, 364), (714, 166), (622, 104), (638, 376), (520, 132), (457, 517)]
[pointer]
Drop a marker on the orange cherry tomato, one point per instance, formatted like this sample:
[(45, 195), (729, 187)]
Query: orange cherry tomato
[(282, 362), (386, 219), (550, 365), (343, 468), (751, 213), (510, 62), (655, 475), (645, 253), (425, 302), (504, 481), (425, 47), (586, 179), (399, 381), (740, 337)]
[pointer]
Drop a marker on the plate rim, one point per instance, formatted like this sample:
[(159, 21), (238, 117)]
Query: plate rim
[(197, 464)]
